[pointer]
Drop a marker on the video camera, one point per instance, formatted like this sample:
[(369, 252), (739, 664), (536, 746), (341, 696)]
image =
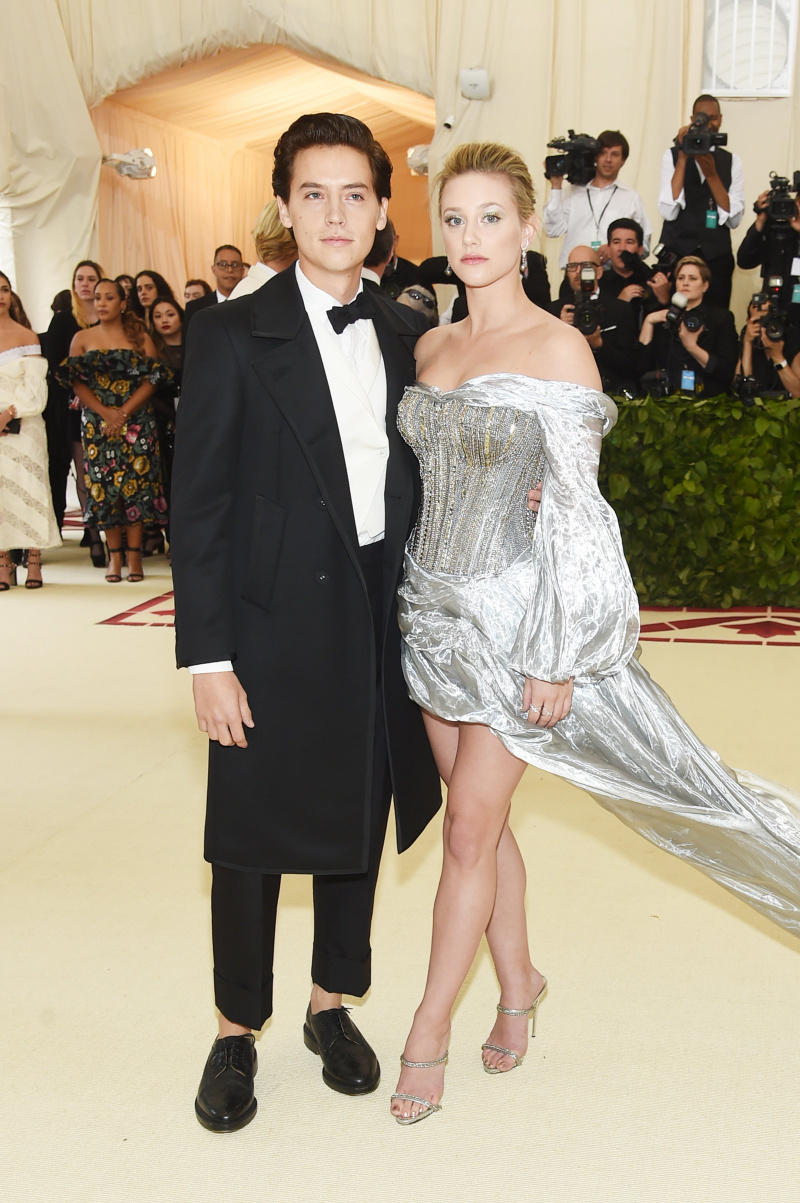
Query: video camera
[(781, 208), (576, 158), (588, 313), (699, 139)]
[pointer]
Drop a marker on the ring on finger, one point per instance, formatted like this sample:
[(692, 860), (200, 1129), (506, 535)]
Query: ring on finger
[(547, 713)]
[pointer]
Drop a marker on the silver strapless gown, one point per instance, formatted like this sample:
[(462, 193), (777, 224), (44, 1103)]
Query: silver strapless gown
[(490, 597)]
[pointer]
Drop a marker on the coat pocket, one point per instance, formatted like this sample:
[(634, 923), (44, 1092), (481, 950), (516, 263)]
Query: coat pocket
[(269, 520)]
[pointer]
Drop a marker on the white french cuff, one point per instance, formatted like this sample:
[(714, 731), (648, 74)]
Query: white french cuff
[(219, 666)]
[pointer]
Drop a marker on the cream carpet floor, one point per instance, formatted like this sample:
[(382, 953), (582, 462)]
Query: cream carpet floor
[(666, 1062)]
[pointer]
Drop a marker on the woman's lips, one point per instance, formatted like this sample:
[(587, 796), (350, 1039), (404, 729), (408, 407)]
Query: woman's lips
[(473, 259)]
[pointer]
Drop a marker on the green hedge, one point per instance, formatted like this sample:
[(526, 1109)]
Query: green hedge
[(708, 499)]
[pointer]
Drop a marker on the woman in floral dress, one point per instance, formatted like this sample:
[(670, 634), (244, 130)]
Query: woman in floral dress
[(113, 371)]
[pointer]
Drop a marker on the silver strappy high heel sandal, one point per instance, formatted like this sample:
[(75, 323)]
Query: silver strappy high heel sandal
[(430, 1107), (509, 1052)]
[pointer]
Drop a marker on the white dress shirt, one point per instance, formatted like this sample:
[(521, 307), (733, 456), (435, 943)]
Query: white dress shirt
[(669, 207), (258, 274), (584, 214), (220, 296), (357, 381)]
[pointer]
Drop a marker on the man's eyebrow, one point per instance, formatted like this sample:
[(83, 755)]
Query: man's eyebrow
[(344, 187)]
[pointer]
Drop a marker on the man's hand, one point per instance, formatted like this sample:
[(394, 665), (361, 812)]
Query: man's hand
[(534, 497), (545, 703), (567, 314), (631, 291), (682, 132), (221, 707), (604, 253), (774, 350), (708, 165), (557, 182)]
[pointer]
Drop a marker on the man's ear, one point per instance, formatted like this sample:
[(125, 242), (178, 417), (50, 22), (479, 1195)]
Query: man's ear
[(384, 215), (283, 212)]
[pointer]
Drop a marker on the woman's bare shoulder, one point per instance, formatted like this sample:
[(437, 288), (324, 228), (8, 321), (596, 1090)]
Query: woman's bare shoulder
[(560, 352), (431, 346), (17, 335)]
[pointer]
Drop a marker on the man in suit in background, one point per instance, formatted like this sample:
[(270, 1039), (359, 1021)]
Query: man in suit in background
[(228, 270), (293, 495), (611, 331)]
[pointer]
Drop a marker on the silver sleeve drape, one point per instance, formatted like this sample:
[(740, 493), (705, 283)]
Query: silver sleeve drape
[(582, 619)]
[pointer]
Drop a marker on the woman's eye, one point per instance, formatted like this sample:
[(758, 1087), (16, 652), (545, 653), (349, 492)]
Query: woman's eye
[(452, 220), (492, 217)]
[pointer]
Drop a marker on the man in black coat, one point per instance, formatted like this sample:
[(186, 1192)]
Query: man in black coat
[(606, 323), (228, 270), (293, 496)]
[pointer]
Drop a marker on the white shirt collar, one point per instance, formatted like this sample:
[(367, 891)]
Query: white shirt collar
[(316, 300), (368, 274), (220, 297)]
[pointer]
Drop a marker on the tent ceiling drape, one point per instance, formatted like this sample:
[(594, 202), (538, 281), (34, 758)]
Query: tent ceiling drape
[(553, 64)]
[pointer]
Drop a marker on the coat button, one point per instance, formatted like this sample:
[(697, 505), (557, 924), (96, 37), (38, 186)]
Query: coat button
[(322, 578), (322, 503)]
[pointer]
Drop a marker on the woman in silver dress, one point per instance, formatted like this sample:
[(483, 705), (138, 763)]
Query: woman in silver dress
[(520, 633)]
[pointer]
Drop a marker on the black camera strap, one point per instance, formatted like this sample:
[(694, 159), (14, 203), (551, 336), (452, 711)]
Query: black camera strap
[(597, 220)]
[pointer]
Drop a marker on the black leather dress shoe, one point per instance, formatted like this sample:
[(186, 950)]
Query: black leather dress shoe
[(349, 1065), (225, 1100)]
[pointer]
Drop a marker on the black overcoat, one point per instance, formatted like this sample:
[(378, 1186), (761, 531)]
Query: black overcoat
[(266, 571)]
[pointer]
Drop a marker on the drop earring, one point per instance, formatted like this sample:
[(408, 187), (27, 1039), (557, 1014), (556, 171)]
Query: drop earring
[(523, 261), (448, 271)]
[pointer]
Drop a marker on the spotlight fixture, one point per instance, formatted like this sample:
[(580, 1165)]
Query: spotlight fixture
[(417, 159), (138, 164)]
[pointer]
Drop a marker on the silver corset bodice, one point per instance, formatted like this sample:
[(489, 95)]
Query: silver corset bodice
[(477, 464)]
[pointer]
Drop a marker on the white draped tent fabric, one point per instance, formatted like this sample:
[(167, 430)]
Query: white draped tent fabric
[(553, 64)]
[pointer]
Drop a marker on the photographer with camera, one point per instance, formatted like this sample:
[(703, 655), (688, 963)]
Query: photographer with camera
[(773, 241), (691, 346), (628, 278), (587, 209), (607, 324), (701, 197), (767, 366)]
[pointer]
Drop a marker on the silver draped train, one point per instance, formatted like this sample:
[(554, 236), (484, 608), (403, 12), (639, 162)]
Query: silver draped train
[(489, 597)]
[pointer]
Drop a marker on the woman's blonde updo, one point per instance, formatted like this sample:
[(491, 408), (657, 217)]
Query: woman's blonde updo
[(272, 239), (490, 158)]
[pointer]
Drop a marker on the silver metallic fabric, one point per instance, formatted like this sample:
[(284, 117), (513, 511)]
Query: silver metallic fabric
[(489, 598)]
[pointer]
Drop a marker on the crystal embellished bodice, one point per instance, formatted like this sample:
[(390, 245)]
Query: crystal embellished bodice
[(477, 464)]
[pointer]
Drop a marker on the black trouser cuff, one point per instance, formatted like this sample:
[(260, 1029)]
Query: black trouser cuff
[(243, 1006), (338, 975)]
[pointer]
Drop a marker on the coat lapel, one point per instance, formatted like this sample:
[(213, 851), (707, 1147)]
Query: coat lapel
[(289, 366)]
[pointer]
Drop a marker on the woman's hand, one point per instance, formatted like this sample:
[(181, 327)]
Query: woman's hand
[(6, 416), (546, 703), (114, 420), (689, 338), (646, 333)]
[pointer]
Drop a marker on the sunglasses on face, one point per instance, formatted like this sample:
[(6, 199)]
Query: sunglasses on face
[(416, 295)]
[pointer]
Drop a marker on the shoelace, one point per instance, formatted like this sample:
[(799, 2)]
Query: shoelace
[(236, 1056)]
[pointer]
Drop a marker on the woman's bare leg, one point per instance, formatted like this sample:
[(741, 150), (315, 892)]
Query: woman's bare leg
[(507, 935), (483, 779)]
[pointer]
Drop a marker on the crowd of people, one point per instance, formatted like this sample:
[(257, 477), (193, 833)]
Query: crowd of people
[(114, 348)]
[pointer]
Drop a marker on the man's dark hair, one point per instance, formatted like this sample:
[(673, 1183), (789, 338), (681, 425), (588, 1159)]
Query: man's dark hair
[(612, 137), (706, 96), (626, 223), (329, 129), (204, 284), (227, 246), (382, 247)]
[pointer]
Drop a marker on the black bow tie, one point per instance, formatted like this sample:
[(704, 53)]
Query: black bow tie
[(342, 315)]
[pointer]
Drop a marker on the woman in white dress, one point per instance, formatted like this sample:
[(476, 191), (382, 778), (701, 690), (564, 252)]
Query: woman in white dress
[(27, 519), (519, 637)]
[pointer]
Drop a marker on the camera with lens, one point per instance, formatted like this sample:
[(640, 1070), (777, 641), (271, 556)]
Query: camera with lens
[(588, 313), (774, 320), (656, 384), (746, 388), (678, 315), (699, 139), (641, 272), (576, 158)]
